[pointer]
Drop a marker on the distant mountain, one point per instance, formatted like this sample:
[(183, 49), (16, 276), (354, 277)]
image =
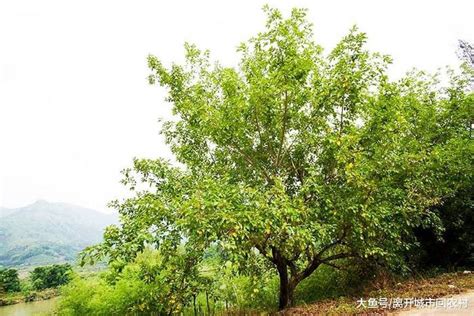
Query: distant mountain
[(44, 233)]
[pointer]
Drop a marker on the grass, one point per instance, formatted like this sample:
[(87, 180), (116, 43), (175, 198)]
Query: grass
[(433, 287)]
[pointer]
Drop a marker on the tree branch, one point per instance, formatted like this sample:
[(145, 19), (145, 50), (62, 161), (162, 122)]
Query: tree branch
[(265, 253), (334, 243), (313, 265), (251, 162), (338, 256), (283, 128)]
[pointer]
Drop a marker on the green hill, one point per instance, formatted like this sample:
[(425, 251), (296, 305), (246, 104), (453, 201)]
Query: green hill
[(45, 233)]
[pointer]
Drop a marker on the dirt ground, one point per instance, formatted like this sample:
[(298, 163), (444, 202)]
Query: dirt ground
[(460, 310)]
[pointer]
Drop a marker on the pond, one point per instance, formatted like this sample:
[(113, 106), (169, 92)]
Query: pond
[(45, 307)]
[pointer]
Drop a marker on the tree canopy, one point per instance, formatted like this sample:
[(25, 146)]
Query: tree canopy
[(296, 158), (50, 276)]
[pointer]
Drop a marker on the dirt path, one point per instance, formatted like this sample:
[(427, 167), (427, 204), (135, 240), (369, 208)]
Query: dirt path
[(469, 311)]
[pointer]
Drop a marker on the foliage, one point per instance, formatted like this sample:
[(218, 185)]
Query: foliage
[(452, 246), (231, 288), (96, 297), (295, 159), (145, 286), (328, 283), (9, 281), (50, 276)]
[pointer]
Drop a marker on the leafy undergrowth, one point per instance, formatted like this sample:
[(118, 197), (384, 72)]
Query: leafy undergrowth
[(435, 287)]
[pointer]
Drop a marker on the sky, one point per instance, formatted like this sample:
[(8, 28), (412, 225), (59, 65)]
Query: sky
[(75, 105)]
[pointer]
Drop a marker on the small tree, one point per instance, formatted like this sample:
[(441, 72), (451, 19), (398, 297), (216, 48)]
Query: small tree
[(298, 157), (9, 281)]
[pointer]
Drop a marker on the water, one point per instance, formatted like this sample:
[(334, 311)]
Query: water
[(45, 307)]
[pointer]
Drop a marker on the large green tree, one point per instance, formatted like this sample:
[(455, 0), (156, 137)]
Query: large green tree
[(50, 276), (296, 156)]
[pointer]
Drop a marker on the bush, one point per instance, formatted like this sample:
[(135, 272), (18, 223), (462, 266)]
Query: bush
[(138, 289), (146, 287), (9, 281), (453, 247), (328, 283)]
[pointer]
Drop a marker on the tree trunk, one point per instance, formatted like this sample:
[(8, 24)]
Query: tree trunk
[(194, 305), (286, 288), (207, 303)]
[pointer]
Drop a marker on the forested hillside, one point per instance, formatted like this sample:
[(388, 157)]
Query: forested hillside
[(44, 233)]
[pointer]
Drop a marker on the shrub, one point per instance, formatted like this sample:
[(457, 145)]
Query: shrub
[(9, 281)]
